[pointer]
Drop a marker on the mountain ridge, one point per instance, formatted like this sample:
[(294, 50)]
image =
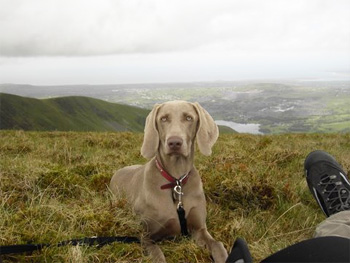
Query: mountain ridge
[(73, 113)]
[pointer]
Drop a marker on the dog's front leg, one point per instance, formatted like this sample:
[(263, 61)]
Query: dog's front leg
[(199, 232), (216, 248), (153, 250)]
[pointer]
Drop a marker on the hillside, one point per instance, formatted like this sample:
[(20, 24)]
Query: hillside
[(68, 114), (74, 113), (54, 187)]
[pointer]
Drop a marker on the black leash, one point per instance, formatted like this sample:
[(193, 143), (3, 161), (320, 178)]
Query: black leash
[(180, 208), (183, 221), (89, 241)]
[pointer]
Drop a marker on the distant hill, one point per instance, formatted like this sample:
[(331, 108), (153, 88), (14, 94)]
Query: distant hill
[(74, 113), (225, 129), (289, 106)]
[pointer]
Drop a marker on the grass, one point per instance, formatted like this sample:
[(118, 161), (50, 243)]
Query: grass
[(53, 187)]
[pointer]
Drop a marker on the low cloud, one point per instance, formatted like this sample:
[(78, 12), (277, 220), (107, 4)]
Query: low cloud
[(90, 28)]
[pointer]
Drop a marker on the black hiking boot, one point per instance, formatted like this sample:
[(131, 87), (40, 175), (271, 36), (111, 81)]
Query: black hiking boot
[(327, 182)]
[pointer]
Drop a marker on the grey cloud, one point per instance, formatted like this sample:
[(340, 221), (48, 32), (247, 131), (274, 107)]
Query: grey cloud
[(89, 28)]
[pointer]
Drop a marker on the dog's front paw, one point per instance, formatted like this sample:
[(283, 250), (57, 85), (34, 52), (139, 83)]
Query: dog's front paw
[(159, 258), (219, 253), (154, 252)]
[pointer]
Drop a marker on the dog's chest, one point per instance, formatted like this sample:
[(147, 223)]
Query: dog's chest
[(163, 211)]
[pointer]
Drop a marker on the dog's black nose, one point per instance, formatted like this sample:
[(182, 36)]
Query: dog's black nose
[(175, 143)]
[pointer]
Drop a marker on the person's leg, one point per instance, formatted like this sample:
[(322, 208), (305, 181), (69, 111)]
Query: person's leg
[(321, 249), (335, 225)]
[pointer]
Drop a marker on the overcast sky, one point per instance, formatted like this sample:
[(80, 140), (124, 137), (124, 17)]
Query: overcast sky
[(136, 41)]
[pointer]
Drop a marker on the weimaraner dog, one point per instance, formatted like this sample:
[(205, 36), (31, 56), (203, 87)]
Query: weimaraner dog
[(169, 141)]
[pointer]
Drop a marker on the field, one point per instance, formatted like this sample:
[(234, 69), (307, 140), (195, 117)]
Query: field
[(53, 187)]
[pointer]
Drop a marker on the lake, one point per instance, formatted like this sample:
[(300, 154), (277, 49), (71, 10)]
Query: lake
[(252, 128)]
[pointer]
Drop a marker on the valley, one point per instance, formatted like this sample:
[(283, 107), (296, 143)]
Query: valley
[(286, 107)]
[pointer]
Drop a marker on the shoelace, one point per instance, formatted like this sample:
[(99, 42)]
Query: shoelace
[(339, 199)]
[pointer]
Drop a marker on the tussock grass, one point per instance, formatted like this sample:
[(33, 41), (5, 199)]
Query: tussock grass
[(53, 187)]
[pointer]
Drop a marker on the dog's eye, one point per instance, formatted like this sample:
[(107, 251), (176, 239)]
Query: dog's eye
[(189, 118), (164, 119)]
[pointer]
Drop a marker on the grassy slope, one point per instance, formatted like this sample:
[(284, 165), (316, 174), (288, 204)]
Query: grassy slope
[(53, 188), (67, 114), (226, 130)]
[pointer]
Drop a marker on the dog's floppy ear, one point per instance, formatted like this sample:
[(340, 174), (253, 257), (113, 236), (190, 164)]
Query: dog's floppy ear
[(151, 137), (208, 131)]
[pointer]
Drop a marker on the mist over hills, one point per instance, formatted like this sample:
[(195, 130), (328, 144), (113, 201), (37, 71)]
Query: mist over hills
[(270, 107)]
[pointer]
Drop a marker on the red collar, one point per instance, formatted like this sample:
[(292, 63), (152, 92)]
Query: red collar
[(173, 181)]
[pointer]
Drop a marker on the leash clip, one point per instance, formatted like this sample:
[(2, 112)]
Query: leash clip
[(178, 191)]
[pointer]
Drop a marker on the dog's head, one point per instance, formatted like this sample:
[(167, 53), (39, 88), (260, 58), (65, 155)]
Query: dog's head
[(173, 126)]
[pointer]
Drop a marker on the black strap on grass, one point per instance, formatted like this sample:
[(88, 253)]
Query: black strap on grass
[(91, 241)]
